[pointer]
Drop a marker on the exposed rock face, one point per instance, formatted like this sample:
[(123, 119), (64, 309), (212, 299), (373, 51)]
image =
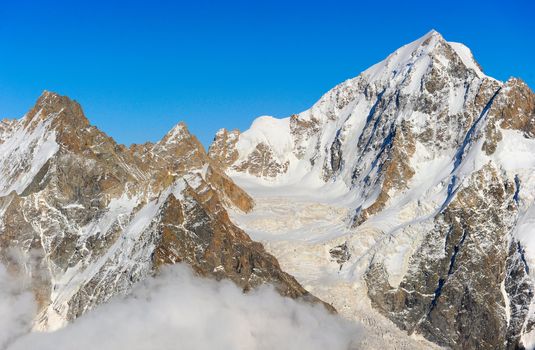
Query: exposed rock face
[(448, 290), (86, 218), (340, 253), (261, 162), (437, 163), (223, 149)]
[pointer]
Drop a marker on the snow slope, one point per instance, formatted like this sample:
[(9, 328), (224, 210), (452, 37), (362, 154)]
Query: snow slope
[(23, 153)]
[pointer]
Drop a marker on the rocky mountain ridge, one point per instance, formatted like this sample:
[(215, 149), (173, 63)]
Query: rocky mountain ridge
[(85, 218)]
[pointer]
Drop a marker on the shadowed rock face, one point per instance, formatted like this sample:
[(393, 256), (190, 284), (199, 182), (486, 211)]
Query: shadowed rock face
[(455, 278), (86, 218), (435, 155)]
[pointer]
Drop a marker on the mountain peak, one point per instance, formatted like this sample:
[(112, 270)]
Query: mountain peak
[(434, 39), (430, 35), (431, 158), (177, 133), (418, 55), (53, 100), (179, 144), (62, 109)]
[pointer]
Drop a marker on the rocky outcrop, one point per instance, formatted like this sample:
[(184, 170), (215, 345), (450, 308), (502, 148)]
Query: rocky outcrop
[(262, 163), (513, 109), (222, 150), (86, 217)]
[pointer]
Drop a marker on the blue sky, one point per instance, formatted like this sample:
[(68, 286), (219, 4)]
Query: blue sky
[(139, 67)]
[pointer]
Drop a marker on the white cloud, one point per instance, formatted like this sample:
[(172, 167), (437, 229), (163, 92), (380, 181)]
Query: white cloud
[(178, 310), (17, 308)]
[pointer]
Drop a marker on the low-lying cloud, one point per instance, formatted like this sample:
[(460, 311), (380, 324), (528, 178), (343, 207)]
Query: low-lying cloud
[(178, 310)]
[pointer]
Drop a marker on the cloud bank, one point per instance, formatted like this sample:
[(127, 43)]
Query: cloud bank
[(178, 310)]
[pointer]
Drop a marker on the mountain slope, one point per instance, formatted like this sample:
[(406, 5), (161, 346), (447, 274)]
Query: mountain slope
[(432, 162), (85, 218)]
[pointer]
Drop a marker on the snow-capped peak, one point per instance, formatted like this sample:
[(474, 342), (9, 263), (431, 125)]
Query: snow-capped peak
[(422, 51), (405, 55), (410, 85), (438, 167)]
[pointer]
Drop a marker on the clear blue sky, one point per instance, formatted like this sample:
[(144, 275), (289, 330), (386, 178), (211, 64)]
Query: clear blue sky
[(139, 67)]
